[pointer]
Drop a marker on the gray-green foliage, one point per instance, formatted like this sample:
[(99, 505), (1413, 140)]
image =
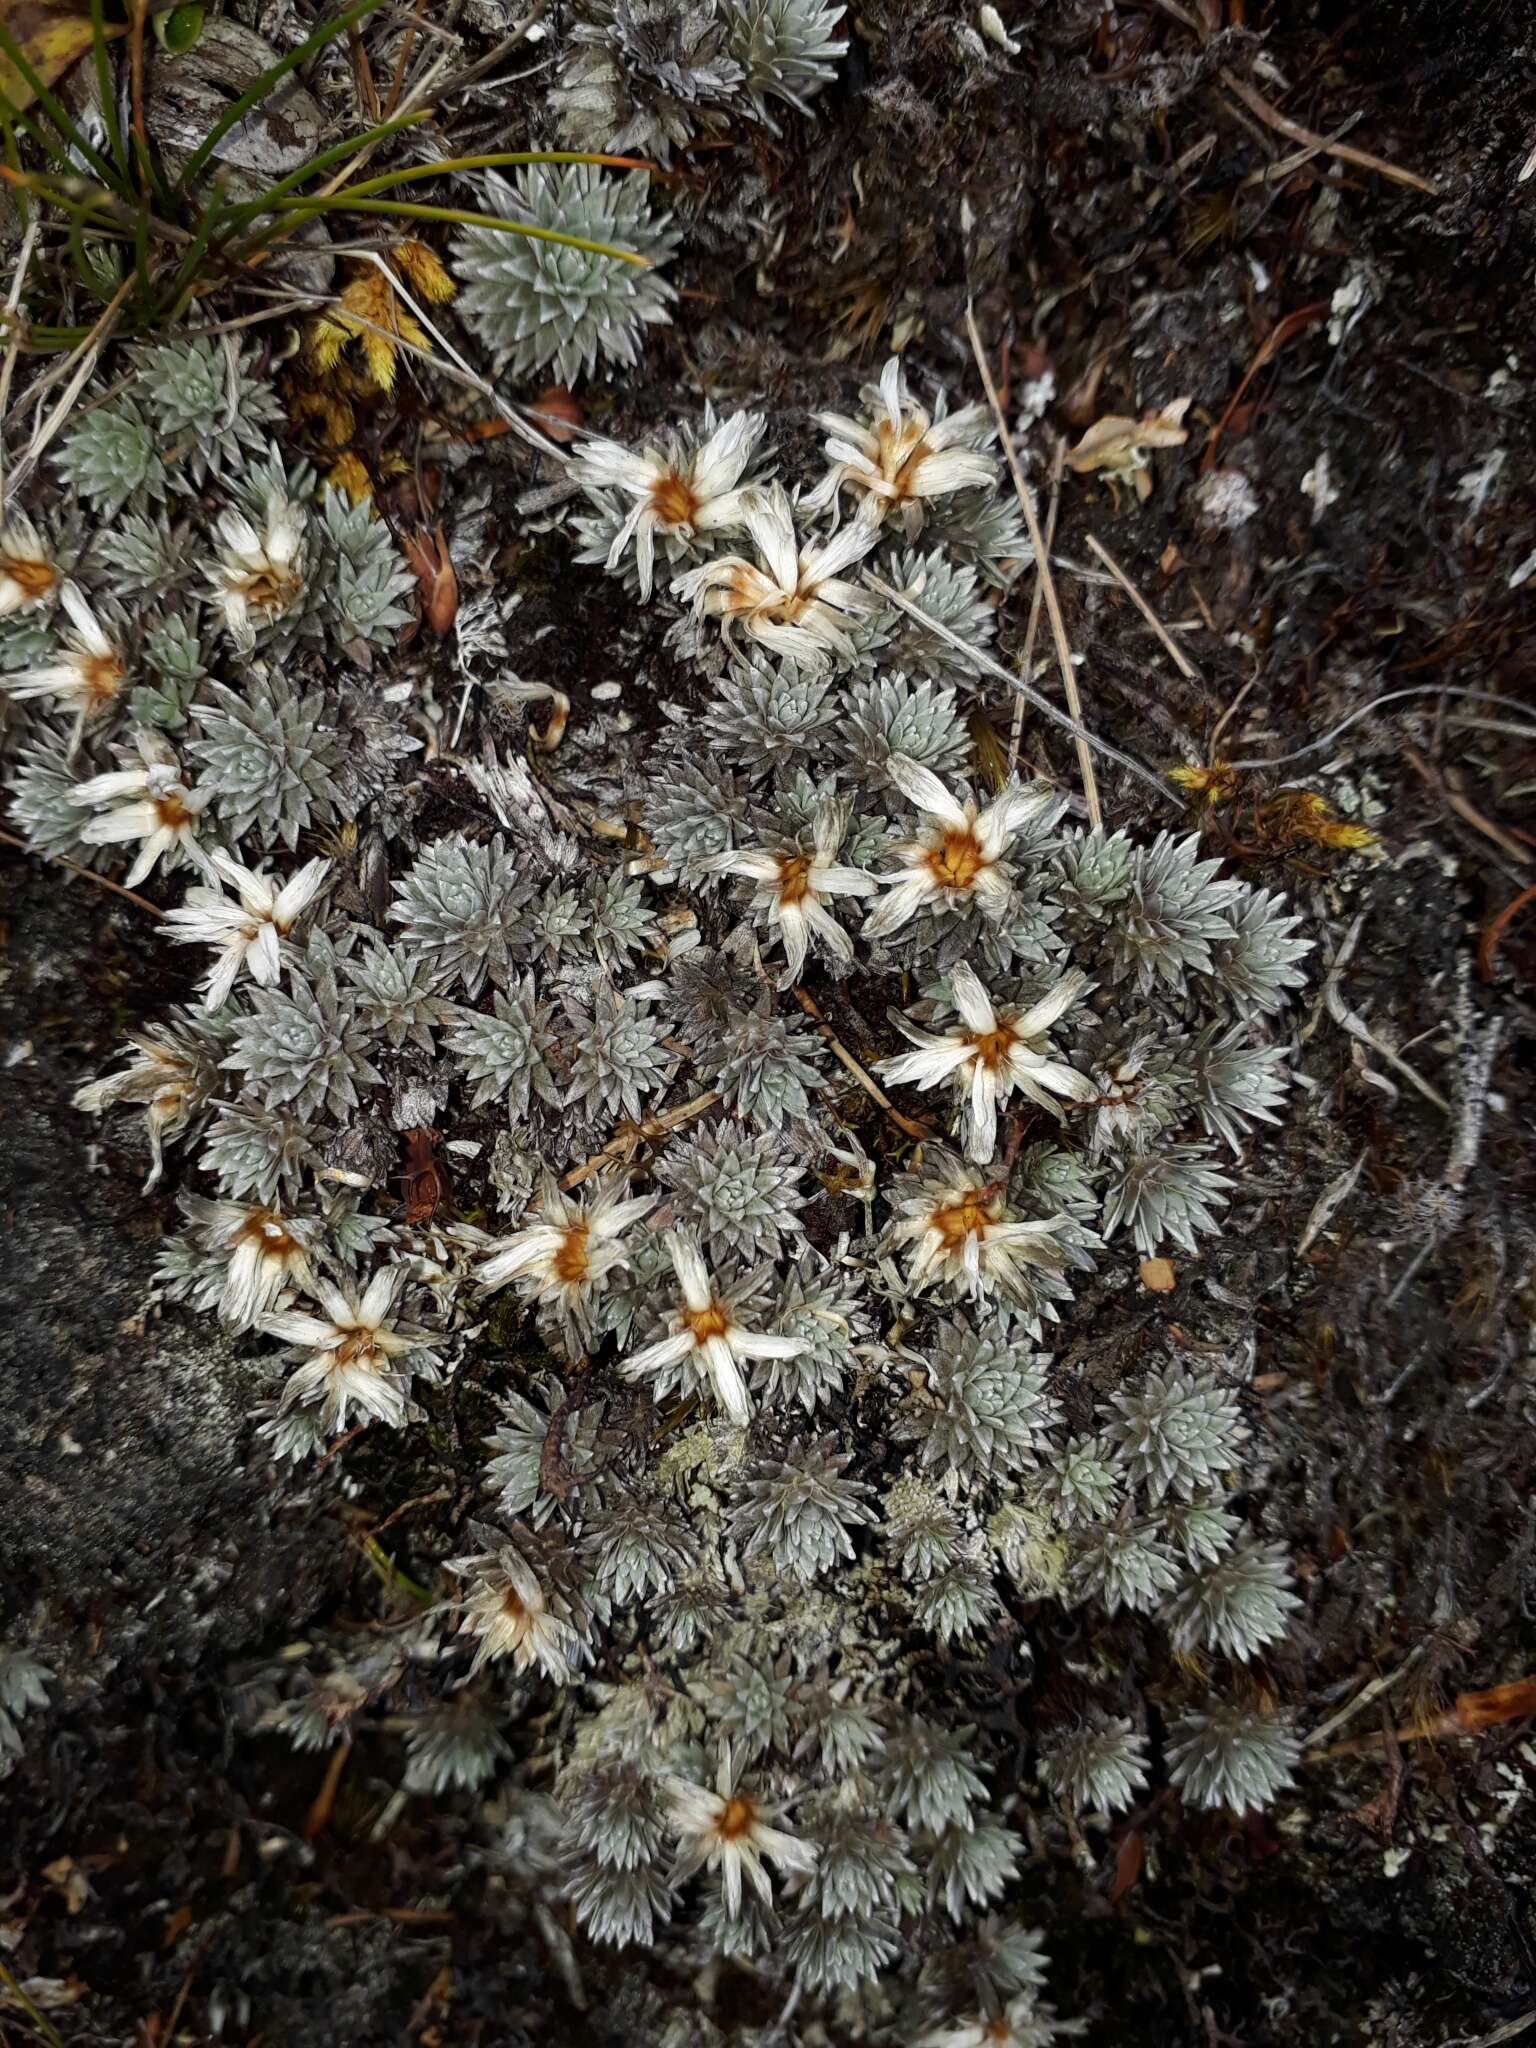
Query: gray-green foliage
[(505, 1051), (644, 76), (270, 754), (110, 454), (787, 49), (461, 906), (303, 1049), (208, 407), (741, 1192), (360, 574), (917, 1439), (540, 305)]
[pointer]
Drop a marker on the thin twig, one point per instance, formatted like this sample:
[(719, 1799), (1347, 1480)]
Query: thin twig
[(12, 303), (1344, 151), (1365, 710), (61, 861), (1043, 572), (989, 667), (628, 1140), (407, 44), (1363, 1698), (1465, 809), (1058, 464), (86, 353), (1181, 661), (920, 1132)]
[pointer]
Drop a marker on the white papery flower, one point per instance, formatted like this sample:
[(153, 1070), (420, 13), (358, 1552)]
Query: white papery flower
[(793, 599), (28, 574), (165, 1076), (563, 1261), (258, 576), (249, 931), (955, 859), (1023, 2023), (729, 1831), (150, 803), (901, 455), (512, 1618), (680, 495), (268, 1258), (961, 1233), (90, 671), (355, 1350), (790, 887), (990, 1053), (705, 1329)]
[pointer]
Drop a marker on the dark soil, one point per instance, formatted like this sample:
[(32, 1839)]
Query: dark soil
[(156, 1864)]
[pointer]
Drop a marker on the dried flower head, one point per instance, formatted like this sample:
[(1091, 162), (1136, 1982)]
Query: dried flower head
[(706, 1333), (512, 1614), (957, 859), (1121, 449), (902, 455), (249, 931), (28, 574), (729, 1830), (677, 492), (172, 1072), (88, 674), (991, 1053), (357, 1353), (150, 803), (259, 576), (564, 1260), (963, 1237), (268, 1254), (793, 599), (792, 884)]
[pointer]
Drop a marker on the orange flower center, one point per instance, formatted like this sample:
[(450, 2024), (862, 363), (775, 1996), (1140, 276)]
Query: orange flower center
[(709, 1322), (512, 1606), (957, 859), (794, 879), (674, 501), (737, 1819), (572, 1263), (993, 1047), (270, 590), (172, 812), (751, 592), (901, 450), (101, 674), (32, 579), (956, 1221), (357, 1349), (266, 1230)]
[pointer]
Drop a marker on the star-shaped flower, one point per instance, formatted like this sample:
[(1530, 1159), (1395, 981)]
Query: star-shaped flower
[(992, 1052)]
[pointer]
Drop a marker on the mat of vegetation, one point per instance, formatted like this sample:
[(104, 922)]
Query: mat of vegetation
[(769, 905)]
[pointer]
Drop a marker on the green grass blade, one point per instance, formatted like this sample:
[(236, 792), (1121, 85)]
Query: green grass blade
[(52, 108), (104, 89), (260, 87), (186, 271), (311, 209), (497, 160)]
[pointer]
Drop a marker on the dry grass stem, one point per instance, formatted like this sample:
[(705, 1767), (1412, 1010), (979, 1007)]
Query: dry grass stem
[(1181, 661), (1046, 581), (1344, 151), (1026, 664)]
